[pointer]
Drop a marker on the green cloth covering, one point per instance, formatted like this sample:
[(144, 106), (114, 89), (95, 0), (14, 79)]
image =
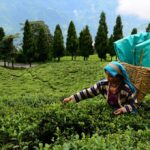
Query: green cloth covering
[(130, 49)]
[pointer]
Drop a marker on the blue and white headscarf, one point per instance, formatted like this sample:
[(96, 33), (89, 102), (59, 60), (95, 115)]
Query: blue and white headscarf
[(115, 68)]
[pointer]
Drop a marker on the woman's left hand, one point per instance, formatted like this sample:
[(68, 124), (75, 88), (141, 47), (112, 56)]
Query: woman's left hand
[(118, 111)]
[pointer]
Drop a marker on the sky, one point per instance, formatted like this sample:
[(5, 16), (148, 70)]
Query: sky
[(134, 13), (137, 8)]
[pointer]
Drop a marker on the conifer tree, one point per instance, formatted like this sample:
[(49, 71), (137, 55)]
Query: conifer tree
[(148, 28), (2, 33), (36, 27), (101, 37), (58, 43), (134, 31), (111, 49), (72, 40), (117, 32), (43, 47), (28, 43), (85, 43)]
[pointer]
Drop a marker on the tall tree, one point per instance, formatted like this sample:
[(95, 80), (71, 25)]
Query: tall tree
[(36, 27), (148, 28), (12, 50), (72, 40), (58, 43), (7, 50), (101, 37), (43, 46), (4, 51), (111, 49), (117, 32), (134, 31), (2, 33), (85, 43), (28, 43)]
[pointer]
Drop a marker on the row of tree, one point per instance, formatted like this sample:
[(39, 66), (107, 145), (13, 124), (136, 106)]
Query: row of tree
[(40, 45), (7, 49)]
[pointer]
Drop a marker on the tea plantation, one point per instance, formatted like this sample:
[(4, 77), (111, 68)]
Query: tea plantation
[(32, 115)]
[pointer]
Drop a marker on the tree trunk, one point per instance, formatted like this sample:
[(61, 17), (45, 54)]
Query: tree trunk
[(30, 64), (12, 64), (4, 62)]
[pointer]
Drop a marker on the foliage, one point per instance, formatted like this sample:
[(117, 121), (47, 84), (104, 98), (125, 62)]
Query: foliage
[(37, 42), (130, 139), (101, 37), (43, 40), (111, 49), (43, 46), (117, 32), (85, 43), (72, 40), (134, 31), (20, 57), (58, 43), (148, 28), (2, 33), (28, 43), (7, 49), (32, 115)]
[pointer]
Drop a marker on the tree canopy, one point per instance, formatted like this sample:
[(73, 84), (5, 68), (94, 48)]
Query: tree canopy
[(72, 40), (58, 43), (134, 31), (85, 43), (117, 32), (101, 37), (2, 33)]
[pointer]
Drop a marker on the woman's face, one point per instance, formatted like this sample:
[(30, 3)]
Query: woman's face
[(113, 80)]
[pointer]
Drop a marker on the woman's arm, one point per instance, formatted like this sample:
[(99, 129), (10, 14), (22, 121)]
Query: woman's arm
[(131, 105), (87, 93)]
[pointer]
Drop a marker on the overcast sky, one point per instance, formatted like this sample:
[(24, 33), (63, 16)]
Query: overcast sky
[(138, 8)]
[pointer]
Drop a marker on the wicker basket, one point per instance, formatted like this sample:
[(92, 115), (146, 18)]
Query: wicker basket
[(140, 77)]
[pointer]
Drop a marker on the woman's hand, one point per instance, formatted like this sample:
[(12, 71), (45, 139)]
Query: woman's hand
[(68, 99), (118, 111)]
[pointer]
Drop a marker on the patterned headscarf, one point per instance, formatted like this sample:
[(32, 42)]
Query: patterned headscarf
[(115, 68)]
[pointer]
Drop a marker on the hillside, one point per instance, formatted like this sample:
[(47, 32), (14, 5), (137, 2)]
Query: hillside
[(32, 112)]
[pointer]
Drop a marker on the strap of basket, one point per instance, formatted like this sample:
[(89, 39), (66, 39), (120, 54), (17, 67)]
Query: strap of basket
[(141, 57)]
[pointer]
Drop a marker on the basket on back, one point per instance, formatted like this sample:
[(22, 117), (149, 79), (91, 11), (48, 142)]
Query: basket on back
[(134, 52), (140, 77)]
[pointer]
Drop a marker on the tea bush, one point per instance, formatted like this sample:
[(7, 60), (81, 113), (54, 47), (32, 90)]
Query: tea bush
[(32, 115)]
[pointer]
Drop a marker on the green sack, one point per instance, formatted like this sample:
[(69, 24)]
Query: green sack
[(134, 49), (142, 54)]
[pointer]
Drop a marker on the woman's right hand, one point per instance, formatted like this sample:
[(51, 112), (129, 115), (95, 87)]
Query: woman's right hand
[(68, 99)]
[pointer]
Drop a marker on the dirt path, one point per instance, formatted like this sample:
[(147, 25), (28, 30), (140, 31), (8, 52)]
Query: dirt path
[(18, 65)]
